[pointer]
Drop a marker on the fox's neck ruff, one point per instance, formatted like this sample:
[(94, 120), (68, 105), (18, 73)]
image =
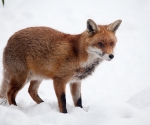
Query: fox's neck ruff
[(92, 62), (86, 68)]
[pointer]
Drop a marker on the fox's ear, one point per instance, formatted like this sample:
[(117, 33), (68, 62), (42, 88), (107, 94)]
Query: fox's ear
[(114, 26), (92, 27)]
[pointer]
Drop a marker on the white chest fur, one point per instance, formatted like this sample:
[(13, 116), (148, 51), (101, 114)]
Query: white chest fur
[(87, 68)]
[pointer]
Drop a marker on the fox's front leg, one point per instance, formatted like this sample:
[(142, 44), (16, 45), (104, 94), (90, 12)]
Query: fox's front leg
[(59, 87), (75, 89)]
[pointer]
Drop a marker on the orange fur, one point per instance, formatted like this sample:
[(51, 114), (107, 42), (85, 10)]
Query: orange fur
[(38, 53)]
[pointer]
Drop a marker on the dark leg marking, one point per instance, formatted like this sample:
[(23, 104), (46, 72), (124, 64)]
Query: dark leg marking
[(13, 92), (63, 101), (79, 103), (39, 98)]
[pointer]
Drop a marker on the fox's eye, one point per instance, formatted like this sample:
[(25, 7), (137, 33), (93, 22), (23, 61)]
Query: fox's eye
[(111, 43), (100, 44)]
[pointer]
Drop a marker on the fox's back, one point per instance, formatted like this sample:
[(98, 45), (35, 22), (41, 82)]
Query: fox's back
[(35, 47)]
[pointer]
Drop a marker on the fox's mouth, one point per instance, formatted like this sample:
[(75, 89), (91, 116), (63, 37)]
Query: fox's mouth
[(100, 54), (103, 56)]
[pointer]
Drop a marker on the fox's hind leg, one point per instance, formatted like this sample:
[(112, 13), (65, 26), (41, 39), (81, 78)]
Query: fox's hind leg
[(15, 85), (75, 89), (33, 90)]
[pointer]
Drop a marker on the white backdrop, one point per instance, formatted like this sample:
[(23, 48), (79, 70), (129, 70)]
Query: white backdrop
[(119, 80)]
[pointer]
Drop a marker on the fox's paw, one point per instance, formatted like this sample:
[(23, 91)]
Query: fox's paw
[(4, 102)]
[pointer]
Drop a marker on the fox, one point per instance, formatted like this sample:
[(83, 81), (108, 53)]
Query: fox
[(38, 53)]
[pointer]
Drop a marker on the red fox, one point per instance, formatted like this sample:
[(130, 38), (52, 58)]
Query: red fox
[(37, 53)]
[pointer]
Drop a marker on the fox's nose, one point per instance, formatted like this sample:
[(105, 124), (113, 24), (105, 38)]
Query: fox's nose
[(111, 56)]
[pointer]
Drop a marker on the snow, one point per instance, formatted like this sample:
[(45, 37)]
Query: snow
[(103, 113), (118, 93), (141, 100)]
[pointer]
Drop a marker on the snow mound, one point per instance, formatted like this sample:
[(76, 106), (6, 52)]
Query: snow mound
[(103, 113), (141, 99)]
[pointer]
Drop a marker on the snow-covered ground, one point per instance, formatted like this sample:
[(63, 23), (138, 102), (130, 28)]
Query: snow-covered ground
[(118, 93)]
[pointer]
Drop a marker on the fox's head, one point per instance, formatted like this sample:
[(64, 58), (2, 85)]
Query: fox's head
[(101, 39)]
